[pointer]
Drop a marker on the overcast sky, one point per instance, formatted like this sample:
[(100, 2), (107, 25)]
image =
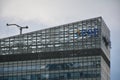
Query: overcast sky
[(40, 14)]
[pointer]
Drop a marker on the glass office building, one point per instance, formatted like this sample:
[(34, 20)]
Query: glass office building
[(74, 51)]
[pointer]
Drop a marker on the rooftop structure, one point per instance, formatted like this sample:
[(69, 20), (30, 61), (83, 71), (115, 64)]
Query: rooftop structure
[(74, 51)]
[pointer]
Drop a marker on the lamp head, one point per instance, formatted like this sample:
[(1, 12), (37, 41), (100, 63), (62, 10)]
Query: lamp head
[(26, 27), (7, 24)]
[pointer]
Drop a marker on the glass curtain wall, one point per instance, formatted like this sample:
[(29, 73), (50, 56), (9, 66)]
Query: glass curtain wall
[(74, 36), (52, 69)]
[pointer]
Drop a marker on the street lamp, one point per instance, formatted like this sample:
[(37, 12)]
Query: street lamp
[(20, 27)]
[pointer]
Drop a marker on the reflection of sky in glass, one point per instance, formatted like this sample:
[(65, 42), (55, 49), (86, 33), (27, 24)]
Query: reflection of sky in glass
[(42, 66)]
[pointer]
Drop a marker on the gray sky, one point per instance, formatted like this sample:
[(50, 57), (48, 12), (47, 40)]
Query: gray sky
[(40, 14)]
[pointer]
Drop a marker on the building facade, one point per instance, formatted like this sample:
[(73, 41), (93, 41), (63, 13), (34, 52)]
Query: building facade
[(74, 51)]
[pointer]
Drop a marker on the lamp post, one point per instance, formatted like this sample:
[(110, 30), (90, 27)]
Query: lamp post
[(20, 27)]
